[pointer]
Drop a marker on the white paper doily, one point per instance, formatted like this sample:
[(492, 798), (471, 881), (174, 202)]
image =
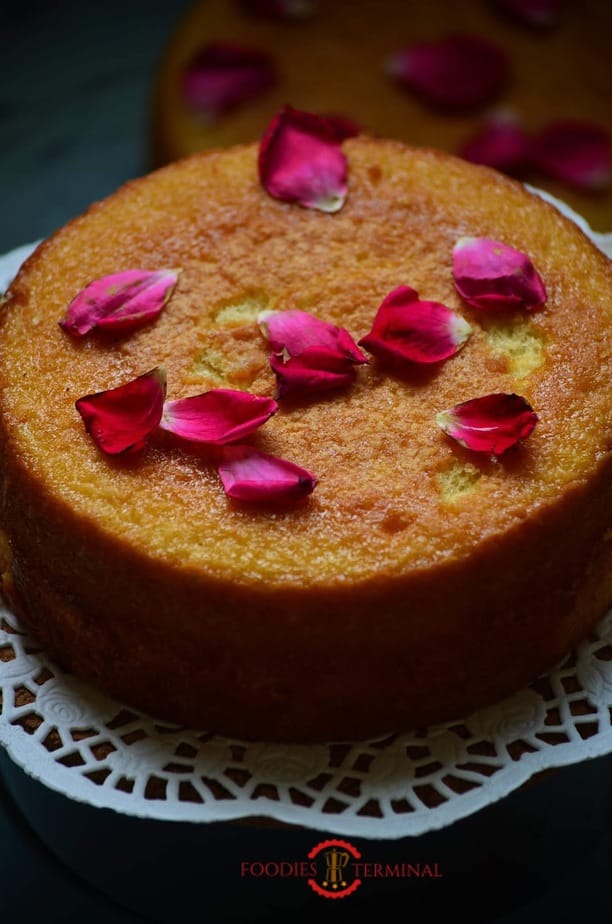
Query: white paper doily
[(92, 749), (89, 747)]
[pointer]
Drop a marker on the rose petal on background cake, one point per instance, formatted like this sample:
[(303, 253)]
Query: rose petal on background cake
[(456, 72), (501, 143), (492, 424), (250, 475), (120, 419), (119, 302), (300, 160), (219, 416), (540, 13), (407, 328), (279, 9), (491, 275), (576, 153), (315, 369), (294, 331), (223, 76)]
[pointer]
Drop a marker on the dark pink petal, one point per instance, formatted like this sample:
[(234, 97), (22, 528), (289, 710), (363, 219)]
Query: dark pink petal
[(490, 424), (279, 9), (250, 475), (300, 160), (342, 127), (120, 302), (406, 328), (541, 13), (222, 77), (576, 153), (492, 275), (219, 416), (293, 331), (501, 143), (315, 369), (457, 72), (121, 419)]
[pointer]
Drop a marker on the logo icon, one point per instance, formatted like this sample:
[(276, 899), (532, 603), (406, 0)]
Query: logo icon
[(335, 873)]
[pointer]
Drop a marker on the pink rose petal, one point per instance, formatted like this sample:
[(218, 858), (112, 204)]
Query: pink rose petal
[(492, 424), (315, 355), (492, 275), (222, 77), (406, 328), (250, 475), (501, 143), (576, 153), (315, 369), (119, 302), (279, 9), (300, 160), (457, 72), (294, 331), (120, 419), (541, 13), (215, 417)]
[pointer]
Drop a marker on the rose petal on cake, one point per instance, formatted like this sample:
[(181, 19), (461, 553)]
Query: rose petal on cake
[(222, 77), (540, 13), (492, 424), (250, 475), (315, 369), (407, 328), (300, 160), (577, 153), (279, 9), (120, 420), (501, 143), (293, 331), (120, 302), (218, 416), (491, 275), (456, 72)]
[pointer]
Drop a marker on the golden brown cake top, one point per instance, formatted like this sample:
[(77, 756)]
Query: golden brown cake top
[(393, 491)]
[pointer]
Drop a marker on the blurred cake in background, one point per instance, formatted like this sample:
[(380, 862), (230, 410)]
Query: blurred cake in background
[(522, 85)]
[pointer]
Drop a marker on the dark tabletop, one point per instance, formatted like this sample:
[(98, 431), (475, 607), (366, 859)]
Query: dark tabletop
[(565, 882), (75, 93)]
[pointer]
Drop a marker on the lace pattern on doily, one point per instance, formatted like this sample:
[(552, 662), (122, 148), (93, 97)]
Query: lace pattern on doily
[(88, 746)]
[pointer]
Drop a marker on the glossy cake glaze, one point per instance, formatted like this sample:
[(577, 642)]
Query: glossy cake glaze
[(419, 580)]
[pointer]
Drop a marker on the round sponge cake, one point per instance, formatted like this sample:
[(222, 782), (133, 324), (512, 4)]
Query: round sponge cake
[(419, 580)]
